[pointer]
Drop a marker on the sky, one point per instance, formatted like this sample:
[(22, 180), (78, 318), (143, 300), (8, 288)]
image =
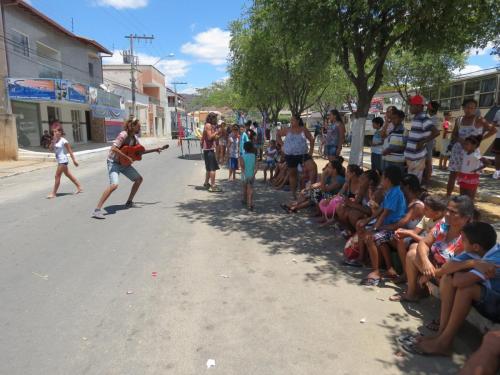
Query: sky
[(191, 36)]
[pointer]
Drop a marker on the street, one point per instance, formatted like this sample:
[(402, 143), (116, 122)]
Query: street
[(185, 277)]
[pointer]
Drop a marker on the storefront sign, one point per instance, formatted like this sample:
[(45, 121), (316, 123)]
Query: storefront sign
[(31, 89)]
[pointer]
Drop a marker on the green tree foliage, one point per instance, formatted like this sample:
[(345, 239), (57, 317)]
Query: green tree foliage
[(406, 71)]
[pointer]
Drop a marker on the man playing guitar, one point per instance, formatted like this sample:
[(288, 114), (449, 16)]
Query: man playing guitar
[(128, 137)]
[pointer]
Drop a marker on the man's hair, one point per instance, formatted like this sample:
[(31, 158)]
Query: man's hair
[(469, 100), (480, 233), (399, 113), (129, 124), (248, 123), (435, 203), (378, 120), (212, 118), (393, 174), (248, 147)]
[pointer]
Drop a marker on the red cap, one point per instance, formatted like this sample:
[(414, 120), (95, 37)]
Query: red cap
[(417, 100)]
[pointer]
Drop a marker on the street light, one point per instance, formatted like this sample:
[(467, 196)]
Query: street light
[(170, 55)]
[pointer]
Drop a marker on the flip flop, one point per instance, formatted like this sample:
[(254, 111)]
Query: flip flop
[(370, 281), (352, 263), (400, 297), (285, 207), (409, 338), (433, 325), (413, 349)]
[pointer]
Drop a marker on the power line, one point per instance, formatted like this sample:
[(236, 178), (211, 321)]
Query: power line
[(28, 58)]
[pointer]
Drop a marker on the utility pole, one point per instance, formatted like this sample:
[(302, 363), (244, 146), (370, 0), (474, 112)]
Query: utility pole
[(175, 102), (133, 63)]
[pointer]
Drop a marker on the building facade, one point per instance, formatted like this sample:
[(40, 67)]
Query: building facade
[(50, 72)]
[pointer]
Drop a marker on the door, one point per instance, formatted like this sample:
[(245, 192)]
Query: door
[(53, 113), (27, 123), (87, 125), (75, 124)]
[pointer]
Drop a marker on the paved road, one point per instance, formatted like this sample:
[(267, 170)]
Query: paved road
[(285, 307)]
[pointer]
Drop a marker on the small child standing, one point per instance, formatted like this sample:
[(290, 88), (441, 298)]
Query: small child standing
[(60, 145), (444, 154), (247, 163), (233, 147), (377, 143), (271, 154), (468, 177)]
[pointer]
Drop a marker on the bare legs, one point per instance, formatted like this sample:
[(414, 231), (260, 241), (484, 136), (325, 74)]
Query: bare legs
[(62, 168), (210, 176), (485, 361), (109, 190), (451, 183), (293, 181)]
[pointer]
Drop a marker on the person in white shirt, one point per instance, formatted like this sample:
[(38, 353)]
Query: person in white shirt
[(496, 146), (60, 145)]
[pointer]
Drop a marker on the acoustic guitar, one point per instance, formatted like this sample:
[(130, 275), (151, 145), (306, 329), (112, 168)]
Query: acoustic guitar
[(136, 152)]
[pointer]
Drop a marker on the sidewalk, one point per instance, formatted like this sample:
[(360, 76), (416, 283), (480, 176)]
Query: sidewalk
[(39, 158)]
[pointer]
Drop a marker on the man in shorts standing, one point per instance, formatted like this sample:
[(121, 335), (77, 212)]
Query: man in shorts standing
[(126, 137), (496, 146), (208, 139)]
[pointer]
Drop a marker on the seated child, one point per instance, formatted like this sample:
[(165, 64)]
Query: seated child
[(434, 209), (392, 210), (469, 279)]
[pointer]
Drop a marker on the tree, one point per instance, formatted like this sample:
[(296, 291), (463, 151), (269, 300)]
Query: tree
[(283, 63), (360, 35), (339, 90), (406, 71)]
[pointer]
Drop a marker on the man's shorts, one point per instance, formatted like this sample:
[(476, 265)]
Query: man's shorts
[(489, 304), (271, 164), (496, 146), (211, 164), (331, 150), (416, 167), (233, 163), (114, 170), (248, 180), (383, 236)]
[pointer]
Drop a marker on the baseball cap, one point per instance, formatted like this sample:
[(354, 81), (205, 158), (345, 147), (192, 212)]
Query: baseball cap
[(417, 100)]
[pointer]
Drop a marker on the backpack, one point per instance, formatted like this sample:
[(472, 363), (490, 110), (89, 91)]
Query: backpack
[(351, 249)]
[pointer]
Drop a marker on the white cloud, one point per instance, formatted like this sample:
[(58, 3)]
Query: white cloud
[(123, 4), (189, 90), (481, 51), (467, 69), (211, 46), (172, 68)]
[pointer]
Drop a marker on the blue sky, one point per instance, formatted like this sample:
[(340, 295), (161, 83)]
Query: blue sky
[(195, 31)]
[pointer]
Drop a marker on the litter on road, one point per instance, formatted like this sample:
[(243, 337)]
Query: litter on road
[(211, 363)]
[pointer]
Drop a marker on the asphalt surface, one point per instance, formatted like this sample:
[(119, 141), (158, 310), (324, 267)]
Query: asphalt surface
[(186, 277)]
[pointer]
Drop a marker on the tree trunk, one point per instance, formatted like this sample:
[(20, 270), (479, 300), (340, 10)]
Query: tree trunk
[(358, 129)]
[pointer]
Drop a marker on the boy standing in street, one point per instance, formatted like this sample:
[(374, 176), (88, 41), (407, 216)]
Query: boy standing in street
[(247, 164)]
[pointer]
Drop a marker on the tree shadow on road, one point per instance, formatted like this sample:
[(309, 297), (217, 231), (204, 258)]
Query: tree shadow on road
[(298, 234)]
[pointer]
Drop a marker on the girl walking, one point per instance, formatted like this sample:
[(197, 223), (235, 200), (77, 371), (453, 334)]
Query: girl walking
[(60, 145)]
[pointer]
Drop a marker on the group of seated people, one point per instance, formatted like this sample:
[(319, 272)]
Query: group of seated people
[(407, 235)]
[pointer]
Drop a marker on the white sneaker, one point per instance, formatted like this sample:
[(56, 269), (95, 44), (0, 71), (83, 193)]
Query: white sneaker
[(496, 175), (98, 214)]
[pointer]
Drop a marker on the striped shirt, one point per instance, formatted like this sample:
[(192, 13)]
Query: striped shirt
[(396, 143), (421, 127)]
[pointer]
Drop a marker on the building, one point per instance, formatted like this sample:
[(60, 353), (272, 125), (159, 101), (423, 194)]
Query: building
[(50, 71), (151, 99), (176, 112)]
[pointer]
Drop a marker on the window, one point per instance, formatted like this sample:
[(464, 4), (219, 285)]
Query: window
[(20, 43), (91, 69), (451, 97), (50, 61), (487, 89), (472, 87)]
